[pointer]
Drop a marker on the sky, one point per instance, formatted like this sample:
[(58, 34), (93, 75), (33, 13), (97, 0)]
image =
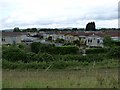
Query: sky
[(58, 13)]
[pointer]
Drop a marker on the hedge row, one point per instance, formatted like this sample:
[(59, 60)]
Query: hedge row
[(51, 49), (15, 54), (43, 65), (96, 50), (114, 52), (81, 58), (75, 65)]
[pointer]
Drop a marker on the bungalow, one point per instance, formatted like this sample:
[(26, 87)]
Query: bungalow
[(94, 41), (71, 37), (115, 35), (11, 37)]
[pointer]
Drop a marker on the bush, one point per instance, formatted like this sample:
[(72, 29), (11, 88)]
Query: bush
[(60, 65), (21, 65), (96, 50), (66, 50), (16, 54), (71, 57), (35, 47), (93, 57), (44, 57), (114, 52), (41, 48), (51, 49), (80, 58), (116, 43)]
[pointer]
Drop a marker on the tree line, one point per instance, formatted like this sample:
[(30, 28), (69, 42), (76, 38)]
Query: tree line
[(89, 27)]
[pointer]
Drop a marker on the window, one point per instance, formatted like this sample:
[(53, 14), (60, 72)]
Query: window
[(98, 41), (83, 37), (14, 42), (89, 40), (3, 39)]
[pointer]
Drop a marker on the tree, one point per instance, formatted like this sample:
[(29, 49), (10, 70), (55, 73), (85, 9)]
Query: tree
[(14, 54), (90, 26), (114, 52), (74, 29), (44, 57), (16, 29), (58, 40), (35, 47), (49, 38), (30, 30), (107, 41), (77, 42), (33, 29)]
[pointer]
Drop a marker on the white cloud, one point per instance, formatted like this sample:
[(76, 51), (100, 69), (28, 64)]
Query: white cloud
[(57, 13)]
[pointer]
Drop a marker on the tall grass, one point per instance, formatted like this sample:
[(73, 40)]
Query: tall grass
[(102, 78)]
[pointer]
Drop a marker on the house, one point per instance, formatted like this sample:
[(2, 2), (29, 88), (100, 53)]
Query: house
[(115, 35), (71, 36), (61, 36), (11, 37), (94, 40), (90, 38), (46, 35)]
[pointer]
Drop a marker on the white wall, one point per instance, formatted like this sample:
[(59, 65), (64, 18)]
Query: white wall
[(10, 40), (94, 40)]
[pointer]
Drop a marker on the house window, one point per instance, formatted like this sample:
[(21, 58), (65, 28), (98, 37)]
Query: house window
[(14, 42), (83, 37), (89, 40), (98, 41), (3, 39)]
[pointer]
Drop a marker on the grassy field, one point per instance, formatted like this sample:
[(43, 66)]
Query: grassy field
[(97, 78)]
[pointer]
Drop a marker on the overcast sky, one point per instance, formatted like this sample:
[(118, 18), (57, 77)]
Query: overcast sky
[(58, 13)]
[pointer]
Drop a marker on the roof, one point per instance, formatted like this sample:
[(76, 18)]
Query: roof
[(10, 34), (76, 33), (98, 33), (84, 33), (112, 33), (94, 35)]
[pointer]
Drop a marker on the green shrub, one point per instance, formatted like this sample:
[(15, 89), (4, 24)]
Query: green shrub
[(116, 43), (59, 65), (114, 52), (96, 50), (41, 48), (51, 49), (80, 58), (21, 65), (16, 54), (71, 57), (66, 50), (91, 57), (35, 47), (44, 57), (13, 54)]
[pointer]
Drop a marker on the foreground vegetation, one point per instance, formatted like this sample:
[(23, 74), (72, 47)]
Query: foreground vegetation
[(40, 56), (68, 65), (102, 78), (48, 66)]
